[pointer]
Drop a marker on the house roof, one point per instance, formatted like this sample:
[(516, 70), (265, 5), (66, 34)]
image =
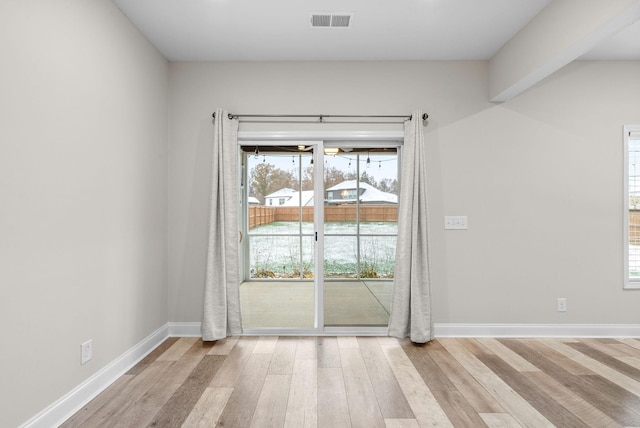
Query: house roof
[(294, 201), (285, 191), (370, 195)]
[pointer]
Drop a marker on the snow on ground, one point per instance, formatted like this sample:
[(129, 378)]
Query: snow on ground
[(274, 249)]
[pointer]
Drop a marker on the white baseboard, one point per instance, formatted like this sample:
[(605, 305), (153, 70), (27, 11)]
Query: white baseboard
[(537, 330), (192, 329), (185, 329), (69, 404)]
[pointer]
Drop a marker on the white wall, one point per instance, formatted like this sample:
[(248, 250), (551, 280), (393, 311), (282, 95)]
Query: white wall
[(539, 177), (83, 173)]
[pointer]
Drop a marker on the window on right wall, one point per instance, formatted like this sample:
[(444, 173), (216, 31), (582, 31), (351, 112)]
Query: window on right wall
[(632, 206)]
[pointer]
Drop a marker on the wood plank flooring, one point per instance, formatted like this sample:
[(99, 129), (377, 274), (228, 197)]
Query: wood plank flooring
[(369, 382)]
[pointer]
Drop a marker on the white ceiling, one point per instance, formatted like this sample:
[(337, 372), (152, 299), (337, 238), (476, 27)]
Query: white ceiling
[(280, 30)]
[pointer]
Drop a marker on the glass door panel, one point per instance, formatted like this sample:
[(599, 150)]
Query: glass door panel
[(360, 229), (278, 291)]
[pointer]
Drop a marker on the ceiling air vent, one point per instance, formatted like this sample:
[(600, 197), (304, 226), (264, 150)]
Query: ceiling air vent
[(331, 20), (321, 20)]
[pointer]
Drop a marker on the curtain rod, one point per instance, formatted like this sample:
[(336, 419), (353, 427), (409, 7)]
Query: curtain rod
[(321, 117)]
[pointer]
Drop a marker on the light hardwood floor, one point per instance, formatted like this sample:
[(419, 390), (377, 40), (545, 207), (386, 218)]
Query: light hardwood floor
[(375, 382)]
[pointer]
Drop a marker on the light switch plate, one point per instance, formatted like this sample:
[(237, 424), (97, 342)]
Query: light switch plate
[(562, 304), (455, 222)]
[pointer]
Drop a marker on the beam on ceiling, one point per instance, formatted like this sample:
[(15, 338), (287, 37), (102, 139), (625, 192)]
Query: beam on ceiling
[(560, 33)]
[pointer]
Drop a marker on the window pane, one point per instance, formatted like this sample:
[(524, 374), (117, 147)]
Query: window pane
[(340, 257), (274, 194), (280, 215), (377, 256), (634, 209), (274, 256)]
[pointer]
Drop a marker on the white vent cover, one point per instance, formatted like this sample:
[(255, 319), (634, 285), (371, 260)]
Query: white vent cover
[(331, 19)]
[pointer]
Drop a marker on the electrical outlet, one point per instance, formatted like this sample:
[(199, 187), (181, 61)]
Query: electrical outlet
[(562, 304), (86, 351)]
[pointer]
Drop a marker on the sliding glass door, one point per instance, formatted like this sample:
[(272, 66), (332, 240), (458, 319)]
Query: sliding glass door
[(320, 229)]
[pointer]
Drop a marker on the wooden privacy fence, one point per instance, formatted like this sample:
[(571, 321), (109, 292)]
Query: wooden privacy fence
[(259, 215), (634, 226)]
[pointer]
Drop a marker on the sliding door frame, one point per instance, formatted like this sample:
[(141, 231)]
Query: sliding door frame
[(320, 140)]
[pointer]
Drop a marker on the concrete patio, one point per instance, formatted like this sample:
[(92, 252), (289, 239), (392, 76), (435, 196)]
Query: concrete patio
[(289, 304)]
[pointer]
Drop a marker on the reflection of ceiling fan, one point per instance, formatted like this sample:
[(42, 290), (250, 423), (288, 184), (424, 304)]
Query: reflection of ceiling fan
[(331, 151)]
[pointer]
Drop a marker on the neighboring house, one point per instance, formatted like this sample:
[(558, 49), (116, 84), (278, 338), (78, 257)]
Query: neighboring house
[(342, 193), (253, 201), (279, 197), (304, 198), (346, 192)]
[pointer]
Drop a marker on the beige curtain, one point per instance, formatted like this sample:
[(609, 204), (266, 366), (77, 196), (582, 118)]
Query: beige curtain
[(411, 303), (221, 294)]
